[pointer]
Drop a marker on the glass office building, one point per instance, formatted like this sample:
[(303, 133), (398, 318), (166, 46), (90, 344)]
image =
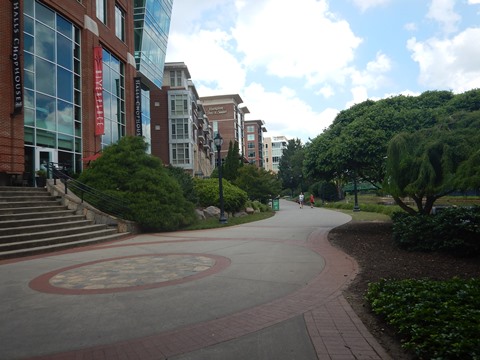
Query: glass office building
[(71, 66), (52, 87), (151, 28)]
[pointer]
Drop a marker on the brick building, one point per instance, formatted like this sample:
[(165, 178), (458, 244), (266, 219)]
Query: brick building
[(227, 117), (254, 130), (78, 76), (182, 135)]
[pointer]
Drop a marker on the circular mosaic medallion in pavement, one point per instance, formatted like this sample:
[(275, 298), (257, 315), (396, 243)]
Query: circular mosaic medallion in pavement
[(130, 273)]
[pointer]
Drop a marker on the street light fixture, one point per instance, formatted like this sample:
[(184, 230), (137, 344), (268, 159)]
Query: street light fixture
[(218, 141)]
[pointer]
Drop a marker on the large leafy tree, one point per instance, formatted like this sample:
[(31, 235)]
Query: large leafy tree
[(356, 142), (156, 199), (233, 162), (258, 183), (431, 163), (290, 168)]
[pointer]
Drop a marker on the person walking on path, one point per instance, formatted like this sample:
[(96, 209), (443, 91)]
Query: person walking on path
[(301, 199), (312, 201)]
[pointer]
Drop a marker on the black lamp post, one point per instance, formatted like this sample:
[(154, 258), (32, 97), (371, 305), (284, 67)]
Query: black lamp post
[(218, 141)]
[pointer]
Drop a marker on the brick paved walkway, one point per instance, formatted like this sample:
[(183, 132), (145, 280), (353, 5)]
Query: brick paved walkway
[(333, 328)]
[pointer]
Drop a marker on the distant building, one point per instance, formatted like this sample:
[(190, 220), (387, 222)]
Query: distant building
[(254, 130), (227, 117), (273, 151), (181, 132), (76, 77)]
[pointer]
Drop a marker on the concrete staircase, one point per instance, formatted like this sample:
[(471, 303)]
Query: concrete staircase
[(32, 222)]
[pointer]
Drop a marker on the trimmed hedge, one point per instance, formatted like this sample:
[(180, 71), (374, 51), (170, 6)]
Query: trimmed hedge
[(207, 191), (454, 230)]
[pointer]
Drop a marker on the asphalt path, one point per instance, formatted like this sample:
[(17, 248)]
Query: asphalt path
[(264, 290)]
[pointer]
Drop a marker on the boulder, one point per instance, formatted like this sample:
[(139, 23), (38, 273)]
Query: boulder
[(240, 214), (212, 211), (200, 214), (249, 210)]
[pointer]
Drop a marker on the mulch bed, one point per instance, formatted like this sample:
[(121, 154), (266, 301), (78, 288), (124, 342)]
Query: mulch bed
[(372, 246)]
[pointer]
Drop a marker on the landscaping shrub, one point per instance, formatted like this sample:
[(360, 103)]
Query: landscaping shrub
[(456, 230), (436, 319), (155, 199), (234, 198), (257, 205)]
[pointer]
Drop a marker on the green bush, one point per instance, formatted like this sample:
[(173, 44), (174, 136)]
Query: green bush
[(380, 209), (436, 319), (454, 230), (234, 198), (155, 199)]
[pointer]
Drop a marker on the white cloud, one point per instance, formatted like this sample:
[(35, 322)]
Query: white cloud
[(359, 94), (295, 41), (326, 91), (450, 63), (364, 5), (373, 75), (208, 59), (473, 2), (285, 113), (443, 12)]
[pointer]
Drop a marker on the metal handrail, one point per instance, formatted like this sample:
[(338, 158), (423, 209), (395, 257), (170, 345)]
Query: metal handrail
[(104, 202)]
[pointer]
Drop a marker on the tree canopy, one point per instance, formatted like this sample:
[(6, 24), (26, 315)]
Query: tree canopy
[(356, 143), (290, 168), (425, 165), (258, 183)]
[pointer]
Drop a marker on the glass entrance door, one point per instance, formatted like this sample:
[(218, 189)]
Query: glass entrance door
[(43, 156)]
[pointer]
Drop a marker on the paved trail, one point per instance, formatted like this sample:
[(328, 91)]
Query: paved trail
[(264, 290)]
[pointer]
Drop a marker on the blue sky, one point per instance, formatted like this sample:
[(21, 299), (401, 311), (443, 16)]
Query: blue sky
[(296, 64)]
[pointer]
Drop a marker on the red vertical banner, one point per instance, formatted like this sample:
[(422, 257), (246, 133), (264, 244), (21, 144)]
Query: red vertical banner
[(98, 90)]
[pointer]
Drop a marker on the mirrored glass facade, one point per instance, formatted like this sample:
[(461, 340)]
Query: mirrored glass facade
[(113, 98), (52, 86), (151, 27)]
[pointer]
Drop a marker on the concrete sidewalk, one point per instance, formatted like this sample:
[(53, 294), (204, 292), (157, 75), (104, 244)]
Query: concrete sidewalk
[(264, 290)]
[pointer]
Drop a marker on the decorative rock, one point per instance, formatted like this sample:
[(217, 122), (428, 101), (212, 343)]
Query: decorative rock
[(212, 211), (249, 210), (240, 214), (200, 214)]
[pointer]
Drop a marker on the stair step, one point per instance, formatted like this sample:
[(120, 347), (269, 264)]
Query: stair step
[(23, 204), (64, 212), (30, 209), (41, 249), (42, 226), (10, 189), (25, 197), (51, 233), (32, 221)]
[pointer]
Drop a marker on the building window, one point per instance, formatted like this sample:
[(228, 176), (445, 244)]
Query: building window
[(119, 23), (113, 98), (179, 129), (251, 145), (52, 85), (146, 119), (180, 154), (175, 78), (102, 11), (251, 154), (276, 159), (250, 128), (251, 137), (179, 104)]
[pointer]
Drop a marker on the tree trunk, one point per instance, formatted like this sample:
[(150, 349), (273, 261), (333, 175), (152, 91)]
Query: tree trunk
[(404, 206)]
